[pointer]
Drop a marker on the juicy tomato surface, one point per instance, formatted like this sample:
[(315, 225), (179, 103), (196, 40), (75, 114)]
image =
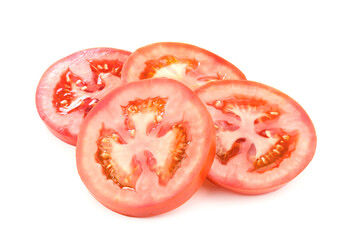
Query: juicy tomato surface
[(186, 63), (146, 147), (73, 85), (263, 137)]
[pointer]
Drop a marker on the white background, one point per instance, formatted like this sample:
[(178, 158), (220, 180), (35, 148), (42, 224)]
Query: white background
[(299, 47)]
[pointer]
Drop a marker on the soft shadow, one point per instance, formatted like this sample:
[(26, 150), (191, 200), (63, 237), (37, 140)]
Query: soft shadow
[(210, 191), (210, 188)]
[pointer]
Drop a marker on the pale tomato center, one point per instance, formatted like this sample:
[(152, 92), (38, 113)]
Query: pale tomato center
[(181, 69), (168, 66), (266, 146), (123, 159)]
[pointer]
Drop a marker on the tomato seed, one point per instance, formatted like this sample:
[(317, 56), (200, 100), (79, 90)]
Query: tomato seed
[(276, 154), (152, 66)]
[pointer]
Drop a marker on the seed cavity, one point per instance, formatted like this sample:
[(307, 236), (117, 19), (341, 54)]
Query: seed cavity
[(176, 156), (248, 112), (110, 168), (72, 92), (225, 155), (99, 66), (152, 66), (68, 96), (156, 105), (268, 116), (278, 152)]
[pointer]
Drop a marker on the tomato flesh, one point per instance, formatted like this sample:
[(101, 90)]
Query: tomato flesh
[(186, 63), (71, 87), (154, 65), (264, 138), (146, 147), (108, 137)]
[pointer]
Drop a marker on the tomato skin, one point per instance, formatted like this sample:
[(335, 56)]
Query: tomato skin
[(208, 64), (244, 191), (273, 179), (163, 207), (160, 208), (172, 196), (63, 134), (51, 77)]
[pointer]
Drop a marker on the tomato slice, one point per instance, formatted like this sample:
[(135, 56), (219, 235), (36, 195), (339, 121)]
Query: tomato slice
[(263, 137), (189, 64), (73, 85), (146, 147)]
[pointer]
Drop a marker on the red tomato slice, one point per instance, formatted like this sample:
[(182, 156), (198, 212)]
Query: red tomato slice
[(186, 63), (73, 85), (264, 138), (146, 147)]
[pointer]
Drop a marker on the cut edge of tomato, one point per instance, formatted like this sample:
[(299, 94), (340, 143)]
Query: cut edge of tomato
[(66, 137), (185, 45), (255, 191), (93, 49), (165, 206)]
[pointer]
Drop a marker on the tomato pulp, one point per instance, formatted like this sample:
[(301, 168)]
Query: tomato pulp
[(189, 64), (146, 147), (263, 137), (73, 85)]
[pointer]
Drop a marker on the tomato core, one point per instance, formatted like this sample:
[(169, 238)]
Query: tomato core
[(140, 118), (153, 65), (248, 113)]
